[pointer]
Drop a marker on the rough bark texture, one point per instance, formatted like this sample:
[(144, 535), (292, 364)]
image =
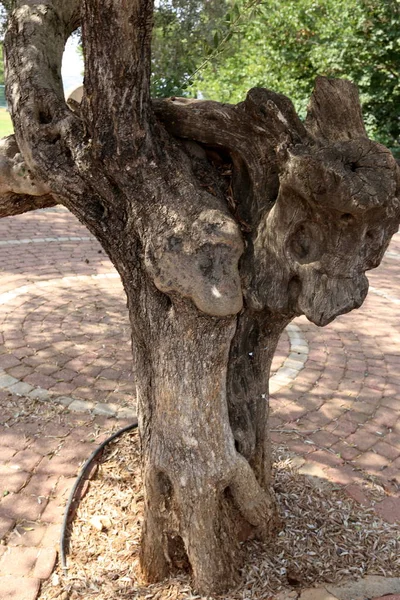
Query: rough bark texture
[(224, 223), (19, 191)]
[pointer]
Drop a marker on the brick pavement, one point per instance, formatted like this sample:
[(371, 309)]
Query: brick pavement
[(65, 380)]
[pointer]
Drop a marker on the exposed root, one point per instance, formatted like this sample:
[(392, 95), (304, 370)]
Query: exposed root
[(258, 506)]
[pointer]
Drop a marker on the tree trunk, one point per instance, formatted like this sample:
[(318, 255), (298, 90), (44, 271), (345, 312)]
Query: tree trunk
[(201, 495), (224, 223), (251, 353)]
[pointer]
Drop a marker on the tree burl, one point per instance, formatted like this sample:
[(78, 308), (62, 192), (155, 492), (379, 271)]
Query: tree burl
[(224, 223)]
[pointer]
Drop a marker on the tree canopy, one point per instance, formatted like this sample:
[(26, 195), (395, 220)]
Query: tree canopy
[(285, 45), (6, 7), (1, 66), (181, 29)]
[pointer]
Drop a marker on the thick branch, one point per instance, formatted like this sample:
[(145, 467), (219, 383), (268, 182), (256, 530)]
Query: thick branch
[(15, 175), (43, 124), (337, 208), (340, 100), (33, 67), (337, 205), (19, 191), (17, 204), (116, 40), (50, 136), (250, 131)]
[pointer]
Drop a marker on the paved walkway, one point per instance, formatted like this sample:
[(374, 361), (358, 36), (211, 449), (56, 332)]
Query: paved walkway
[(65, 382)]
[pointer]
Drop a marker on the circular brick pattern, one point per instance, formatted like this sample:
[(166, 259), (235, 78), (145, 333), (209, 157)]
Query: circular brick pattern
[(294, 361), (334, 391), (62, 306), (70, 341)]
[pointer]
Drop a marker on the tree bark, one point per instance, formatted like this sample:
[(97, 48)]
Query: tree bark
[(19, 191), (199, 491), (224, 223)]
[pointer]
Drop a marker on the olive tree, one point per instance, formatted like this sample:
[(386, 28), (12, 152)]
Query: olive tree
[(224, 222)]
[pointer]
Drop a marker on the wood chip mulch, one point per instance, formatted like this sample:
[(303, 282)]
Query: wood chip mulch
[(327, 538)]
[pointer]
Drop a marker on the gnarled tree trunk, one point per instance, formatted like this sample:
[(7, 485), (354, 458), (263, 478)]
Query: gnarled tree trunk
[(224, 223)]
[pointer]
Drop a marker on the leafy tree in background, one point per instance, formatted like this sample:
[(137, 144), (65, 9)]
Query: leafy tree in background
[(285, 45), (282, 46), (6, 7), (181, 30)]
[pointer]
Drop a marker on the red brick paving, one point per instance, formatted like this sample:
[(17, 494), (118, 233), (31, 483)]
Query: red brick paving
[(45, 562), (19, 588), (342, 411), (18, 561), (389, 509)]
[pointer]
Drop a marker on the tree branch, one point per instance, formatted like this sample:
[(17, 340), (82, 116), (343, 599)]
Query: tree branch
[(19, 191), (337, 208), (33, 68), (116, 41), (15, 176), (43, 124), (322, 200), (339, 99), (251, 131), (17, 204), (50, 136)]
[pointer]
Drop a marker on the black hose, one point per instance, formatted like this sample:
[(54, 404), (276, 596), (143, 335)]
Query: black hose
[(79, 481)]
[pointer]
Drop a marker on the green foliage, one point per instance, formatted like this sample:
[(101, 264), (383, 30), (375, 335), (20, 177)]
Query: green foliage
[(6, 126), (190, 34), (229, 26), (183, 31), (6, 6), (221, 49), (284, 45)]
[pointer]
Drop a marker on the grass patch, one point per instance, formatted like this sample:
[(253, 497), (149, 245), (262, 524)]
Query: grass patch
[(6, 126)]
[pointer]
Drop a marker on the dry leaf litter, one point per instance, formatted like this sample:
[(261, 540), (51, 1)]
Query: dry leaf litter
[(327, 538)]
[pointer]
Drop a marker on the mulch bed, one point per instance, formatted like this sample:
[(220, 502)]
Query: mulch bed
[(327, 538)]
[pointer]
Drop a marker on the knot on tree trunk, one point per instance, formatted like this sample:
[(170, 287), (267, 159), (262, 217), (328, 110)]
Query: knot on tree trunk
[(200, 262), (335, 213)]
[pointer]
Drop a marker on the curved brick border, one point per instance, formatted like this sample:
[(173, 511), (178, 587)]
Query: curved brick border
[(285, 375), (24, 289), (20, 388), (294, 363), (40, 240), (310, 420), (384, 294)]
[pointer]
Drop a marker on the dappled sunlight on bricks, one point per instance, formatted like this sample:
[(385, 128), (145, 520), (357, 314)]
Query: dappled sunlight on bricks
[(11, 480), (26, 460), (19, 506), (71, 339), (371, 462), (45, 563), (41, 484), (6, 525), (27, 533)]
